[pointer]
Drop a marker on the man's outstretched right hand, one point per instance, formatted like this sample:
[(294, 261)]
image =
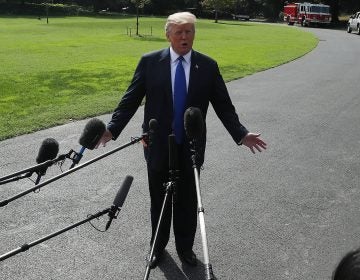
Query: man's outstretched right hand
[(106, 137)]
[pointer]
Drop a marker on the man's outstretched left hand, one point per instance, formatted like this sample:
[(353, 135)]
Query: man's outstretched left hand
[(252, 141)]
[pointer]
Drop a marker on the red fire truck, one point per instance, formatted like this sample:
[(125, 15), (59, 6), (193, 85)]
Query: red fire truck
[(307, 14)]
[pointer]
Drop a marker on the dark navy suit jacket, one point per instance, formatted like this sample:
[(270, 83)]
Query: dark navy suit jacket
[(152, 80)]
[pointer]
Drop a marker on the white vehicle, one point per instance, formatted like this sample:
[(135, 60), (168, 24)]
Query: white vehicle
[(354, 23)]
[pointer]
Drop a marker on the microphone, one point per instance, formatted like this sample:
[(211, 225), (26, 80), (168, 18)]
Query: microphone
[(194, 128), (153, 126), (119, 200), (48, 151), (193, 123), (91, 135)]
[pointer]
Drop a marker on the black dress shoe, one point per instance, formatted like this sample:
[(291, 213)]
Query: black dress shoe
[(189, 257), (155, 259)]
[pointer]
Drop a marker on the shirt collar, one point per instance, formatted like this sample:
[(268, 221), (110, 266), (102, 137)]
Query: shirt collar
[(174, 56)]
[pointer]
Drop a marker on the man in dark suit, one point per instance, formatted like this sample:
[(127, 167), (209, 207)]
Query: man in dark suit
[(155, 79)]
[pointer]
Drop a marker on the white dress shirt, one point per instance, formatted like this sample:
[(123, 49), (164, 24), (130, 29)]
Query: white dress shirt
[(174, 62)]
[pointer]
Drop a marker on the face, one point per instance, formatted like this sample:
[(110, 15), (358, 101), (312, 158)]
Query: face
[(181, 37)]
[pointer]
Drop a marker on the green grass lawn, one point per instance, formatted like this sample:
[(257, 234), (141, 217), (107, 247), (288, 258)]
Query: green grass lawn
[(78, 67)]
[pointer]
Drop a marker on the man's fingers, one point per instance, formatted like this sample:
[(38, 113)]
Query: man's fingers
[(101, 142), (143, 142), (261, 142), (252, 150), (263, 145)]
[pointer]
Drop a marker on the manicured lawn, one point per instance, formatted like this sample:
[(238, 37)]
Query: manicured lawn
[(78, 67)]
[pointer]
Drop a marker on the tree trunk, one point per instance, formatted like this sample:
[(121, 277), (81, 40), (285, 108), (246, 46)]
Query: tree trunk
[(137, 21)]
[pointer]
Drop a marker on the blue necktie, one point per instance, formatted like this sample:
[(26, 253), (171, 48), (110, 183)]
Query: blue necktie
[(179, 101)]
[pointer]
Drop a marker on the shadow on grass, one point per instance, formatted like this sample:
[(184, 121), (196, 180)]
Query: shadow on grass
[(78, 81)]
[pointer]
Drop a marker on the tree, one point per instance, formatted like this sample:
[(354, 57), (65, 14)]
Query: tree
[(158, 7), (349, 6), (139, 4), (334, 9), (248, 7), (272, 9)]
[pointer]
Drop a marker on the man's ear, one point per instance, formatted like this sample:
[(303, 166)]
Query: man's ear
[(167, 36)]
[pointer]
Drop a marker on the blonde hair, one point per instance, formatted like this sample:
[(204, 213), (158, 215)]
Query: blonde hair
[(179, 18)]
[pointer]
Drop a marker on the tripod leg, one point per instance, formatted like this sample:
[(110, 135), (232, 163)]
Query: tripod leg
[(168, 196)]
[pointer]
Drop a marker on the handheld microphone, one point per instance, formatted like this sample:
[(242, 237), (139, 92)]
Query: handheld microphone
[(153, 126), (119, 200), (91, 135), (193, 123), (48, 151)]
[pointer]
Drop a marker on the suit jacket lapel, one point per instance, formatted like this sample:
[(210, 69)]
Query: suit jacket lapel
[(165, 71), (194, 74)]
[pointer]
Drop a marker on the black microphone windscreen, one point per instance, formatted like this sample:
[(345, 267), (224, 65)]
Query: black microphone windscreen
[(153, 125), (92, 133), (193, 123), (48, 150), (123, 191)]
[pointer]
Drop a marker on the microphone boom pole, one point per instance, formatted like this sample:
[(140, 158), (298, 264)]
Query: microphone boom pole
[(29, 172), (114, 210), (9, 179), (26, 247), (6, 201), (36, 168)]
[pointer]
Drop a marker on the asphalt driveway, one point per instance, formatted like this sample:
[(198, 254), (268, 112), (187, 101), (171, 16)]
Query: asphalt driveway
[(288, 213)]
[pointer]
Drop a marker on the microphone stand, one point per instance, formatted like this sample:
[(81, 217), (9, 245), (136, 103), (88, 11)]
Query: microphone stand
[(208, 268), (170, 186), (26, 247), (6, 201)]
